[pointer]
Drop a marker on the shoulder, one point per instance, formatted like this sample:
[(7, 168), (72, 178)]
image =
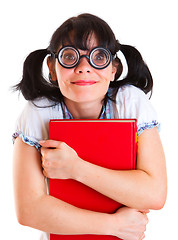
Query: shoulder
[(132, 102), (130, 97), (129, 92), (41, 108), (33, 120)]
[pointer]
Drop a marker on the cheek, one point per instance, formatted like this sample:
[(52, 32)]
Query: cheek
[(62, 75), (107, 75), (109, 72)]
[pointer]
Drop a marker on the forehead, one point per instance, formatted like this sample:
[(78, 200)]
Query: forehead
[(78, 32), (91, 42), (82, 42)]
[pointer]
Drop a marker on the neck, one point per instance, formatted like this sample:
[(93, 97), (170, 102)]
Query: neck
[(90, 110)]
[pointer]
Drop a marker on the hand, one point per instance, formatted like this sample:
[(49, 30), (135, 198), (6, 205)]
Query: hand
[(130, 224), (58, 159)]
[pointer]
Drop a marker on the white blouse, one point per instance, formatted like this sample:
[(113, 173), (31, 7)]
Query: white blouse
[(131, 103)]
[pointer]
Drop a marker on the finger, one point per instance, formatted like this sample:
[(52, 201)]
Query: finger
[(46, 155), (142, 237), (44, 163), (50, 143), (144, 210), (45, 173), (147, 220), (44, 152)]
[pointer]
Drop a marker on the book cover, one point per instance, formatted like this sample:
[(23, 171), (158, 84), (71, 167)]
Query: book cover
[(109, 143)]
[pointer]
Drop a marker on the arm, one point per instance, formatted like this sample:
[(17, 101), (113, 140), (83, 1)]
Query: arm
[(38, 210), (143, 188)]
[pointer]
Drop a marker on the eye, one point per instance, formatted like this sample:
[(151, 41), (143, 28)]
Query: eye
[(99, 57), (69, 57)]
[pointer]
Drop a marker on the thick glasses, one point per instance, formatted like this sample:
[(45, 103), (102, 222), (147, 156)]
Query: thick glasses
[(69, 57)]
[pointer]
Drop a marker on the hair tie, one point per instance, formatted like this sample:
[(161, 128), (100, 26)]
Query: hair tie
[(123, 60)]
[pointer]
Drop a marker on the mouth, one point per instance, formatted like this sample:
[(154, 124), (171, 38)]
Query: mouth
[(84, 82)]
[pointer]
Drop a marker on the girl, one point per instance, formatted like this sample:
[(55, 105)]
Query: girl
[(91, 75)]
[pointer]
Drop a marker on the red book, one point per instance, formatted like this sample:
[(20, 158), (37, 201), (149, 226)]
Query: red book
[(104, 142)]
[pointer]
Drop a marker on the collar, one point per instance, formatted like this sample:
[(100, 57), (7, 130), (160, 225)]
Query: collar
[(106, 112)]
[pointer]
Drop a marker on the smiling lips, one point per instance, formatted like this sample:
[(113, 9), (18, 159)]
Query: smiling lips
[(84, 82)]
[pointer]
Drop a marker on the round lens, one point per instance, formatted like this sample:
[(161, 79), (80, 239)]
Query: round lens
[(68, 57), (100, 57)]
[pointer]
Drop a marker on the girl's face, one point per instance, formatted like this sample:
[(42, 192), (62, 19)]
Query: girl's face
[(83, 83)]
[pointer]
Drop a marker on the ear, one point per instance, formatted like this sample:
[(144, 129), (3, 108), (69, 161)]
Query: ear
[(114, 70), (51, 66)]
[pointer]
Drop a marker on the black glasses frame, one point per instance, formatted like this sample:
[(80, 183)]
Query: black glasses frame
[(89, 57)]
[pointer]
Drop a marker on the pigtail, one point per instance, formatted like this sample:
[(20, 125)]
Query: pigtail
[(138, 72), (33, 85)]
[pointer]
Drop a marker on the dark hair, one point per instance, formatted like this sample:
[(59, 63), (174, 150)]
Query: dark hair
[(76, 31)]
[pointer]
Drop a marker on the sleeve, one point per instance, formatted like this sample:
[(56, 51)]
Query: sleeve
[(32, 125), (133, 103)]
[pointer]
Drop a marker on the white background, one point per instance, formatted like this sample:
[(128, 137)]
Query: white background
[(151, 26)]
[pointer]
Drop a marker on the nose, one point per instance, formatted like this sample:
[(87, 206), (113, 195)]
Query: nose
[(83, 66)]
